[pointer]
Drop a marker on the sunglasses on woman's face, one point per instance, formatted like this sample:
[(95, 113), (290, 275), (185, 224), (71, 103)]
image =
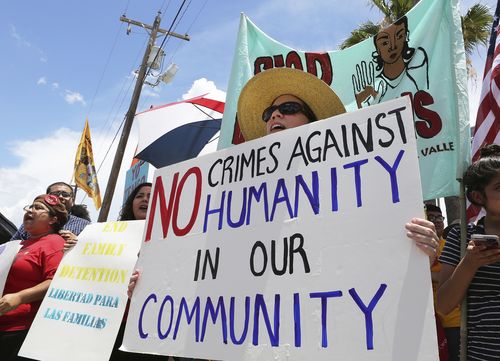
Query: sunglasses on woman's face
[(287, 108)]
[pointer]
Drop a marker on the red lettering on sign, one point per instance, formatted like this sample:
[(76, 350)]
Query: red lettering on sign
[(194, 212)]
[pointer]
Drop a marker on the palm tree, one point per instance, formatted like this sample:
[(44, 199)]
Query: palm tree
[(476, 23)]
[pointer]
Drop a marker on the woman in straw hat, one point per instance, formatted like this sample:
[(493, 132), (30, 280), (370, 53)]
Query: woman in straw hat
[(31, 272), (282, 98)]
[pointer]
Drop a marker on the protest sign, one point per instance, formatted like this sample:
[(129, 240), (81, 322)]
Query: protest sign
[(136, 175), (82, 311), (426, 63), (290, 247), (7, 253)]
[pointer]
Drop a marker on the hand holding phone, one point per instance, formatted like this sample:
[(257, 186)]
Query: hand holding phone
[(489, 240)]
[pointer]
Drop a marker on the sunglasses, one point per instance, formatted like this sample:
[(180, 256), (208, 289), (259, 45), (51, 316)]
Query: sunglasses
[(61, 194), (288, 108), (35, 207)]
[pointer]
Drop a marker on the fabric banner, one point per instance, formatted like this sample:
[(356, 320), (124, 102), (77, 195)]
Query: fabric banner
[(81, 313), (85, 174), (8, 252), (421, 55), (277, 249)]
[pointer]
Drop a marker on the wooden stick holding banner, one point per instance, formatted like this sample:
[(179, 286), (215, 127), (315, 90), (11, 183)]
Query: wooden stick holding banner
[(290, 247)]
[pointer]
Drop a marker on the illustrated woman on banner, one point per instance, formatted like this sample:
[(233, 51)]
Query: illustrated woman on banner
[(401, 68)]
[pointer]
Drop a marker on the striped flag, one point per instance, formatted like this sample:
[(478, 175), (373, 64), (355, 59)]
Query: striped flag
[(488, 115), (487, 126)]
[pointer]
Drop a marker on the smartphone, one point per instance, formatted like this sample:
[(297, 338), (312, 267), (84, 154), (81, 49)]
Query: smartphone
[(490, 240)]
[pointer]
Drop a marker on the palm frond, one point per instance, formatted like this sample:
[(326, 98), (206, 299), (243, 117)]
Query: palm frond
[(476, 27), (364, 31)]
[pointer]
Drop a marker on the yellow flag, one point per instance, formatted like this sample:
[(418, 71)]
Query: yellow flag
[(85, 174)]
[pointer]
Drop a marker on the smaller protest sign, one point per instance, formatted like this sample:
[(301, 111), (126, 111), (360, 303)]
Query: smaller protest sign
[(136, 175), (83, 308), (7, 253)]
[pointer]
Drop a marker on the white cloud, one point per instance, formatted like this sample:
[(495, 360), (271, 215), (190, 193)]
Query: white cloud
[(41, 81), (50, 159), (203, 86), (148, 92), (55, 85), (72, 97), (20, 40)]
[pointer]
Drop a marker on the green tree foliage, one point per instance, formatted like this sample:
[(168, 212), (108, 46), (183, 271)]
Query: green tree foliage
[(476, 23)]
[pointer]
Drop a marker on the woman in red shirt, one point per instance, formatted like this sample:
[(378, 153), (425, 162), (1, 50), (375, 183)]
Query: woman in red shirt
[(31, 272)]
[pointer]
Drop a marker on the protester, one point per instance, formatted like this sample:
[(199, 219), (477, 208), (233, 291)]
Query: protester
[(31, 272), (451, 322), (282, 98), (476, 275), (136, 205), (134, 208), (81, 211), (73, 227)]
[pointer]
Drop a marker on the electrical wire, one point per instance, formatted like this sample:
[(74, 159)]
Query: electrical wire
[(104, 70)]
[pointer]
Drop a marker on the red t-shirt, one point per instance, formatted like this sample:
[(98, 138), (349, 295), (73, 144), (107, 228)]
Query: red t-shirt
[(35, 262)]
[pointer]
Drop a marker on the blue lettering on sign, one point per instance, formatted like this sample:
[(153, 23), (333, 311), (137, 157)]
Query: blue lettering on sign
[(243, 336), (367, 310), (170, 300), (324, 298), (228, 321), (357, 178), (234, 210), (392, 174), (209, 310)]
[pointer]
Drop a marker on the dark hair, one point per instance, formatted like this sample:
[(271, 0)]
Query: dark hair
[(309, 113), (480, 173), (407, 52), (432, 208), (61, 184), (56, 209), (127, 213), (80, 211)]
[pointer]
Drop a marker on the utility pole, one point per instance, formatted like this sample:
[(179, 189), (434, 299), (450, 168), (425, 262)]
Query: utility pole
[(115, 169)]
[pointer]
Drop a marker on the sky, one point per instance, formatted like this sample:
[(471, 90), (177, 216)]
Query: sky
[(65, 61)]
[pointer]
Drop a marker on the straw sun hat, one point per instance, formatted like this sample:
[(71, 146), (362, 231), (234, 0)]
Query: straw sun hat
[(261, 90)]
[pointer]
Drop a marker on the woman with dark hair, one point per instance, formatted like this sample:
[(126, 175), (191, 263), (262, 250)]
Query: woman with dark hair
[(135, 208), (136, 205), (31, 272), (476, 275)]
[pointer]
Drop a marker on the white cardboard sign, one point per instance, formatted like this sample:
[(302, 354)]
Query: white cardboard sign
[(8, 252), (290, 247), (82, 311)]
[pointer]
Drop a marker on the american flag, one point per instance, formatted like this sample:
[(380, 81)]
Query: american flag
[(487, 126), (488, 115)]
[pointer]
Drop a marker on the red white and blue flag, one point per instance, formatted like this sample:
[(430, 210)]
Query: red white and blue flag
[(178, 131), (488, 115), (487, 129)]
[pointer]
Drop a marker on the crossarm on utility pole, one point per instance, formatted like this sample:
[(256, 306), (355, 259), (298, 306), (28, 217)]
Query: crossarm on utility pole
[(159, 30)]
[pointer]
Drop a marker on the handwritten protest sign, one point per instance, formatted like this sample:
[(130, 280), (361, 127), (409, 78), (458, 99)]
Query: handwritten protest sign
[(290, 247), (7, 253), (82, 311)]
